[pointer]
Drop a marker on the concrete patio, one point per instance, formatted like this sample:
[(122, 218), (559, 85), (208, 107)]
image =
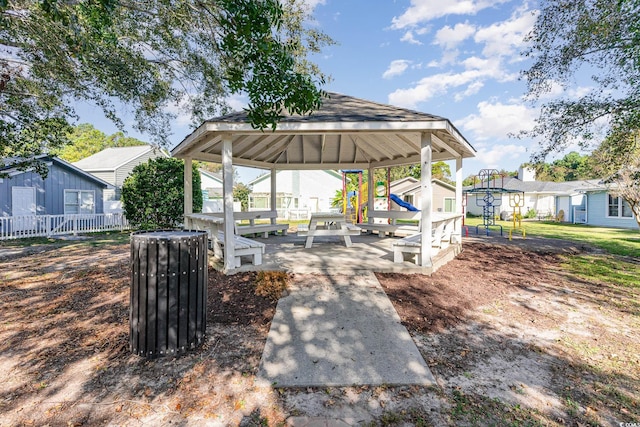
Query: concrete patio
[(329, 255)]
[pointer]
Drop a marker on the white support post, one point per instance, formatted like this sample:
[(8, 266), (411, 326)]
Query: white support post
[(457, 232), (371, 187), (188, 186), (227, 191), (274, 190), (426, 196)]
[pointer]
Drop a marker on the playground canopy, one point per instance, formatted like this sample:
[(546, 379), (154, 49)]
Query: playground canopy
[(344, 133)]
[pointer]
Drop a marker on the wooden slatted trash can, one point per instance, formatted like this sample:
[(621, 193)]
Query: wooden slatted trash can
[(168, 303)]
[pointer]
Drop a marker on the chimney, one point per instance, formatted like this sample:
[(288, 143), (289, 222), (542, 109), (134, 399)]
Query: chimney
[(526, 174)]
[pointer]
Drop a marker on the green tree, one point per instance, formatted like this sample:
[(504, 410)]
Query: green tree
[(439, 170), (599, 37), (241, 194), (617, 161), (86, 140), (153, 194), (149, 55), (573, 166)]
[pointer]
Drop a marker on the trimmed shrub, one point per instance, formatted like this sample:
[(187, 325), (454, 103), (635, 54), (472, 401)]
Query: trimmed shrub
[(153, 194)]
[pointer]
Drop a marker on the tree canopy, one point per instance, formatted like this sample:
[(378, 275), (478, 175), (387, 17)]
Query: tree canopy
[(86, 140), (572, 167), (574, 38), (150, 56)]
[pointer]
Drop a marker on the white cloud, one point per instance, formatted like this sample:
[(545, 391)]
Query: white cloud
[(431, 86), (498, 120), (426, 10), (238, 102), (182, 113), (448, 57), (408, 37), (490, 67), (450, 37), (558, 90), (471, 80), (505, 38), (472, 89), (495, 155), (396, 68)]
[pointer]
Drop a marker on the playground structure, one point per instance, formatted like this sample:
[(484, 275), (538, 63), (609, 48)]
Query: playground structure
[(354, 203), (516, 201), (488, 188)]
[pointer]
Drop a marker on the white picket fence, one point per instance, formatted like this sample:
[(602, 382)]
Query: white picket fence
[(19, 227)]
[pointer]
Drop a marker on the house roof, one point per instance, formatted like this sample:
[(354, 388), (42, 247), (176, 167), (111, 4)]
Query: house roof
[(10, 167), (344, 133), (513, 184), (212, 175), (113, 158), (268, 175), (411, 185)]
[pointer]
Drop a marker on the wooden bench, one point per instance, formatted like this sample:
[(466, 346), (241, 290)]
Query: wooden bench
[(242, 247), (441, 233), (390, 225), (213, 224), (254, 228)]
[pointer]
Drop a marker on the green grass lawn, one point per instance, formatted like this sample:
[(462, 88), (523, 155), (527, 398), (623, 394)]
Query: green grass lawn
[(616, 241)]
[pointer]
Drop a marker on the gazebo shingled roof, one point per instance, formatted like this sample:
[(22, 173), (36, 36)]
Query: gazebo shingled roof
[(346, 132)]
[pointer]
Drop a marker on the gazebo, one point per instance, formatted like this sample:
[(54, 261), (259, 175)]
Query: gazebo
[(344, 133)]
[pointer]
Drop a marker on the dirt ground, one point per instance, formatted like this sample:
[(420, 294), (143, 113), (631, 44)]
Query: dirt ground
[(511, 338)]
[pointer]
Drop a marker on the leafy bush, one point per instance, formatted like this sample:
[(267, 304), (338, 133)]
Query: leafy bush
[(153, 194), (272, 284), (531, 213)]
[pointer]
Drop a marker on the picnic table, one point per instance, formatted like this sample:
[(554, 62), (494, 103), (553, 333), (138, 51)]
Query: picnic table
[(328, 224)]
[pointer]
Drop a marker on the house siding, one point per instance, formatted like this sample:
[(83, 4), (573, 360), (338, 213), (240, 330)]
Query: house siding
[(50, 191), (439, 194), (123, 171), (313, 188), (597, 206)]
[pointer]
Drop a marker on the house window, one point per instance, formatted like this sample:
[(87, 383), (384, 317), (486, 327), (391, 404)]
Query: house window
[(79, 202), (449, 204), (259, 202), (618, 208), (408, 198)]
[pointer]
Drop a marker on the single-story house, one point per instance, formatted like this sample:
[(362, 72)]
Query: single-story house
[(408, 189), (66, 190), (539, 196), (211, 184), (298, 192), (114, 164), (582, 202), (592, 203)]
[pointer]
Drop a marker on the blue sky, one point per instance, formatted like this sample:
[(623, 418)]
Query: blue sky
[(459, 59)]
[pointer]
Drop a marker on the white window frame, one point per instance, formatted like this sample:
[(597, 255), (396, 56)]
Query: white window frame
[(79, 199), (453, 204), (620, 203)]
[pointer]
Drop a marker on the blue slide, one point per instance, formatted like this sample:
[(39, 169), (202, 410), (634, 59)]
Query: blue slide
[(402, 203)]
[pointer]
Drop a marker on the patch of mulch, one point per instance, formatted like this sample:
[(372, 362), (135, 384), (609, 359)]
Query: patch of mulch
[(481, 274), (232, 300)]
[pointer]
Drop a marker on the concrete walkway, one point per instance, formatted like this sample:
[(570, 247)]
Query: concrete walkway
[(340, 331)]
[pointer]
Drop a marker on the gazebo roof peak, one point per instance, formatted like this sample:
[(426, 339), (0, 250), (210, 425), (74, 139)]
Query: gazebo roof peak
[(337, 107)]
